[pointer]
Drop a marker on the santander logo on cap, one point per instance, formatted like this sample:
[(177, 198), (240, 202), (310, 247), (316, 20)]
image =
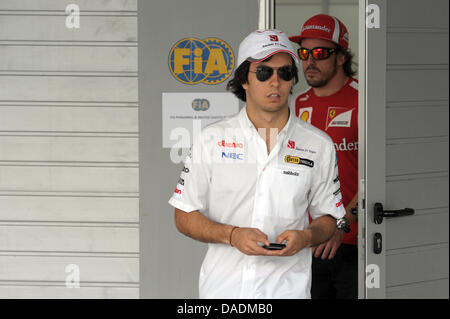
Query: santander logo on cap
[(316, 27), (324, 26)]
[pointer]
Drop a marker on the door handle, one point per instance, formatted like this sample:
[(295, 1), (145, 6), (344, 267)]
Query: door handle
[(379, 213)]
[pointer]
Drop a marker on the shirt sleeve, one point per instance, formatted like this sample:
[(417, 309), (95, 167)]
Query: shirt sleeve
[(326, 197), (192, 190)]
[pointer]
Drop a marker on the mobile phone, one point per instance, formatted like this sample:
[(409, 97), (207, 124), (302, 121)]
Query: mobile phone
[(274, 246)]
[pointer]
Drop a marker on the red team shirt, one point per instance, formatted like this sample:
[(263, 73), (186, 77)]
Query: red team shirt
[(337, 115)]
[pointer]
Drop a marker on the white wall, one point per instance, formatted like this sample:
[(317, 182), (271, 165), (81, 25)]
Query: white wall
[(69, 165)]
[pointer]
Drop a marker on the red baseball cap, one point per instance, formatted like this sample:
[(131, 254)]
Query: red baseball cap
[(323, 26)]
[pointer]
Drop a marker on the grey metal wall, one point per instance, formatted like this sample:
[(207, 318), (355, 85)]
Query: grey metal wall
[(68, 149), (417, 109), (170, 262)]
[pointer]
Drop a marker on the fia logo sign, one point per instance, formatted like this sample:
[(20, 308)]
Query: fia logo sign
[(200, 104), (193, 61)]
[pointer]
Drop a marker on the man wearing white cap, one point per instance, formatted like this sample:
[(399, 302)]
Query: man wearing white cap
[(250, 180), (331, 104)]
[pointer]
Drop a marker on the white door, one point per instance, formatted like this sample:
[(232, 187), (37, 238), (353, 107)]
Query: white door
[(404, 147)]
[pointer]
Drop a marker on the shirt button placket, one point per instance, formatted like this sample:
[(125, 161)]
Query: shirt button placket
[(248, 278), (249, 271), (258, 208)]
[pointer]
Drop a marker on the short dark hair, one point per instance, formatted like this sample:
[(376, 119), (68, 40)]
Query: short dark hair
[(348, 65), (241, 77)]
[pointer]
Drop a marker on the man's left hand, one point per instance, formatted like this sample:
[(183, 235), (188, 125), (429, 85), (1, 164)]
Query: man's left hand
[(328, 249)]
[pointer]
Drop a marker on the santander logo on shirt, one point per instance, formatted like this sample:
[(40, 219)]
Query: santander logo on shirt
[(346, 146)]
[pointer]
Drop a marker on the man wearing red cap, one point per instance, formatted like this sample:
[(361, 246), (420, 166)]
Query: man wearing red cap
[(331, 104), (251, 180)]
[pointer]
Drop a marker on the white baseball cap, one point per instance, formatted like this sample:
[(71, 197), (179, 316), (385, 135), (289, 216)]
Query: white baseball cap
[(261, 44)]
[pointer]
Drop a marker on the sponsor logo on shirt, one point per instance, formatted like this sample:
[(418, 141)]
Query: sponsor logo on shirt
[(338, 117), (293, 147), (235, 156), (337, 198), (298, 160), (291, 173), (178, 190), (273, 38), (344, 146), (185, 169), (305, 114), (222, 143), (305, 98), (291, 144)]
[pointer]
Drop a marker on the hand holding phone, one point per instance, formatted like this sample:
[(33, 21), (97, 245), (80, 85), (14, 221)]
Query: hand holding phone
[(274, 246)]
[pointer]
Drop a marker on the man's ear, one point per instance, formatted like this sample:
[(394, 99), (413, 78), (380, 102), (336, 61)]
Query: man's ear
[(245, 86), (341, 58)]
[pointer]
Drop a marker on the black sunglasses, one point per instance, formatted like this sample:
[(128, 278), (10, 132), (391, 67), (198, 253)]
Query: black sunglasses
[(318, 53), (264, 72)]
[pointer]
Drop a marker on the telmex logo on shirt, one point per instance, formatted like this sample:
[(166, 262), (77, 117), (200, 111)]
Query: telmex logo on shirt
[(305, 114), (222, 143), (339, 117), (298, 160)]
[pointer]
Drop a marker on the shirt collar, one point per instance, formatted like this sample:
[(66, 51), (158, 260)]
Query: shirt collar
[(248, 126)]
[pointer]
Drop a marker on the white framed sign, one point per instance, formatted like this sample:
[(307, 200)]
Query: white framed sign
[(185, 113)]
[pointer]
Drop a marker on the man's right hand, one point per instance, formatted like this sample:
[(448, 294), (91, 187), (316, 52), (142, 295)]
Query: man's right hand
[(246, 241)]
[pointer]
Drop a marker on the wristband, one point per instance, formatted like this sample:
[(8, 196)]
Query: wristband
[(231, 233)]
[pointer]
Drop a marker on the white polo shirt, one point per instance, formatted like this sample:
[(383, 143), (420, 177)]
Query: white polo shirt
[(230, 178)]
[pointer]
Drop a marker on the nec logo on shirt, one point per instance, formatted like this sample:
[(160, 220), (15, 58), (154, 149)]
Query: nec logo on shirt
[(235, 156)]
